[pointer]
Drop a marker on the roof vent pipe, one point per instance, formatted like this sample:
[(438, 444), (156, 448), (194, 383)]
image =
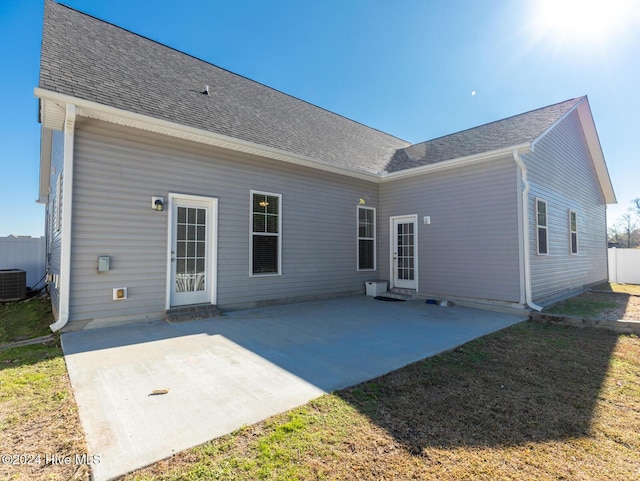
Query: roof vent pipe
[(206, 90)]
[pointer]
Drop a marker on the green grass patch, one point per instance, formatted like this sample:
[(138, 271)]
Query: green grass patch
[(582, 306), (30, 375), (276, 449), (25, 319)]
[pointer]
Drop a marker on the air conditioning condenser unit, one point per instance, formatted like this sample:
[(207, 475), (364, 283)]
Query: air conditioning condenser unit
[(13, 285)]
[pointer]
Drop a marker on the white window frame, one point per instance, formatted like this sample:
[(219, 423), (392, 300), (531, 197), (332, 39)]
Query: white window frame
[(571, 232), (358, 238), (252, 233), (539, 226)]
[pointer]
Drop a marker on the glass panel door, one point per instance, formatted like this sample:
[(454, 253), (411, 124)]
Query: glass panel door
[(191, 243), (191, 263), (404, 255), (405, 252)]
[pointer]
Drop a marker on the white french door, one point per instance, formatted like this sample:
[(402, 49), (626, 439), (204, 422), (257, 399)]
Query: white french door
[(192, 263), (404, 252)]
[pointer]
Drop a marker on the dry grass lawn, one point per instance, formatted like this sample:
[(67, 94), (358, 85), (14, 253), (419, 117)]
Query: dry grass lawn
[(39, 423), (534, 401)]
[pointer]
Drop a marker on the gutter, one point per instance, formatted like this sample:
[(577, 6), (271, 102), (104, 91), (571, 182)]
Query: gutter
[(67, 191), (525, 227), (457, 162)]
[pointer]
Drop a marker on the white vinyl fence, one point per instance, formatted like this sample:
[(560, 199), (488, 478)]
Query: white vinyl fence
[(624, 265), (24, 253)]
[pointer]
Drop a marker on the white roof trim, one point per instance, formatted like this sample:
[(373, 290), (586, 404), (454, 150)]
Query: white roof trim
[(460, 161), (553, 125), (94, 110), (106, 113), (593, 143)]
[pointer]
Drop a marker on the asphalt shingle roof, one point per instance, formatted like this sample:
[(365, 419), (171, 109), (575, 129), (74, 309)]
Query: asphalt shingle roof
[(93, 60), (90, 59), (485, 138)]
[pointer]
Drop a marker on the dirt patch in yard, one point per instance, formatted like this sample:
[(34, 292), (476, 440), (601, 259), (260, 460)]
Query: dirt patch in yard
[(628, 308), (610, 306)]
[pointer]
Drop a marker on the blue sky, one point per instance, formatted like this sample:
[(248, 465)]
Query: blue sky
[(417, 69)]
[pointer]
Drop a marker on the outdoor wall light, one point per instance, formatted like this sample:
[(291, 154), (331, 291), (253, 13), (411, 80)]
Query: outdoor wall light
[(157, 203)]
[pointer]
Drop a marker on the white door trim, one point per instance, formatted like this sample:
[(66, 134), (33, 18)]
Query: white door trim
[(392, 252), (212, 244)]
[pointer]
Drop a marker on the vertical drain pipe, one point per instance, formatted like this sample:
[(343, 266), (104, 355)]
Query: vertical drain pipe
[(67, 188), (525, 222)]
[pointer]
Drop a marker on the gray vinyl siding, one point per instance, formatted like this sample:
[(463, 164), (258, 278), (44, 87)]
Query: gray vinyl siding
[(118, 170), (561, 172), (470, 249), (54, 237)]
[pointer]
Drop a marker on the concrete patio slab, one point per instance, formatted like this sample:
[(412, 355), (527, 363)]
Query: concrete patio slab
[(226, 372)]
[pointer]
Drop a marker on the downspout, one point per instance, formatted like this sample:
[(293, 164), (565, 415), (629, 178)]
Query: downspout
[(525, 227), (67, 192)]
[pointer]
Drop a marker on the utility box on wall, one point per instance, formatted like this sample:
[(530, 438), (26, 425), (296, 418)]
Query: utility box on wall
[(103, 263)]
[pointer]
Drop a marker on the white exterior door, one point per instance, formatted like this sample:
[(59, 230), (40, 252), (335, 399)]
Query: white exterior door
[(404, 252), (192, 263)]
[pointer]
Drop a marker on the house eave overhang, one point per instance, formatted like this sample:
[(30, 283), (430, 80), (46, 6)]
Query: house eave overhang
[(53, 108), (53, 102), (457, 162)]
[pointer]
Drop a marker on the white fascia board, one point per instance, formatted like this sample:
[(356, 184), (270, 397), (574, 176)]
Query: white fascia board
[(94, 110), (593, 143), (459, 162)]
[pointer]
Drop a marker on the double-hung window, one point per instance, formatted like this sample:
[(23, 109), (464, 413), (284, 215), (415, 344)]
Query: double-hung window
[(366, 238), (573, 231), (266, 226), (542, 227)]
